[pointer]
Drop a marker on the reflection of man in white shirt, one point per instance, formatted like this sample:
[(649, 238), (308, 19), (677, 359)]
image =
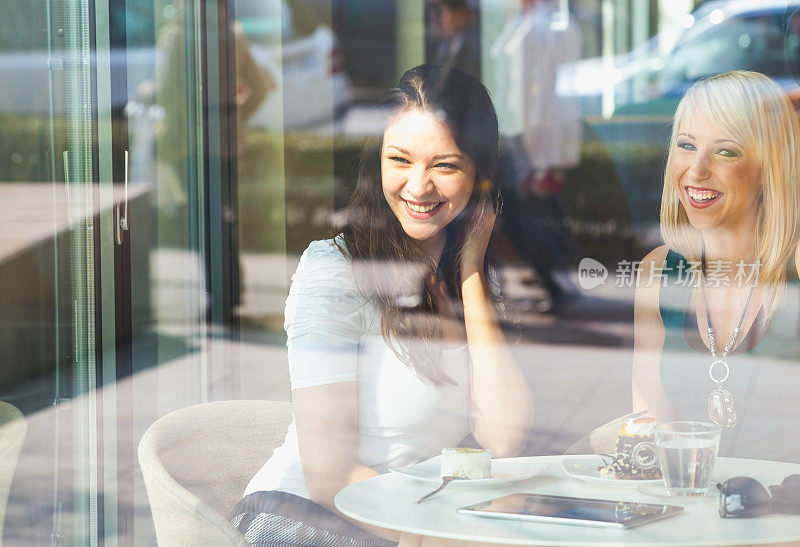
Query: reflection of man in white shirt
[(541, 130), (529, 61)]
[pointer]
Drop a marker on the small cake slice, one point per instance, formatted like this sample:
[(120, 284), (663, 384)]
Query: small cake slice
[(631, 433), (466, 463)]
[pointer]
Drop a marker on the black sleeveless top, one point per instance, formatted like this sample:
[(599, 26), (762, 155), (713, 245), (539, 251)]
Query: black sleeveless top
[(764, 371)]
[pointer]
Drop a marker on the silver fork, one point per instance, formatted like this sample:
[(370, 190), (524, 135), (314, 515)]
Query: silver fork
[(445, 482)]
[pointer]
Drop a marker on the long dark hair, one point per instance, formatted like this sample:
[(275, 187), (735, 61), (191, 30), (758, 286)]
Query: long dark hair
[(390, 267)]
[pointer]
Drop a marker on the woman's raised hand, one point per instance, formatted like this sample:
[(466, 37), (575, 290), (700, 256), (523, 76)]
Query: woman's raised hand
[(477, 241)]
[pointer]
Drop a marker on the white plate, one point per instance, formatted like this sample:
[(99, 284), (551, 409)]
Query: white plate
[(504, 471), (585, 468)]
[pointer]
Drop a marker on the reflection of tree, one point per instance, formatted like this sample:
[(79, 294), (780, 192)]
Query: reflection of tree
[(21, 27)]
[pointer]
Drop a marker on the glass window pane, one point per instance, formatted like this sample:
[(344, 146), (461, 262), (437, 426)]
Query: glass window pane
[(209, 202)]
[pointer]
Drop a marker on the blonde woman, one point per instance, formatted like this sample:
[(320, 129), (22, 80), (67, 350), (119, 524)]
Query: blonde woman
[(717, 304)]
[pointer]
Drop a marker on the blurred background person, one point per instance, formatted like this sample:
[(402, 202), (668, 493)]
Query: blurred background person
[(252, 86), (543, 135), (459, 46)]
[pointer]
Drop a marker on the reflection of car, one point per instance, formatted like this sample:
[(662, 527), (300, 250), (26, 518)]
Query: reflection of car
[(307, 66), (719, 36)]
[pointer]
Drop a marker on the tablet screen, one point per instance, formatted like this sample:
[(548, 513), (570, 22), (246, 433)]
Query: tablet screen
[(621, 514)]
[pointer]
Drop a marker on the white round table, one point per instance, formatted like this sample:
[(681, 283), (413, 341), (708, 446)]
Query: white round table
[(388, 501)]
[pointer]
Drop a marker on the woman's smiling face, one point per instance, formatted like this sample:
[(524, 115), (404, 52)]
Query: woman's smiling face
[(427, 180), (717, 180)]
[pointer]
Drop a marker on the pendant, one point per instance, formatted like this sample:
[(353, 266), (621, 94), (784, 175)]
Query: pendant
[(721, 408)]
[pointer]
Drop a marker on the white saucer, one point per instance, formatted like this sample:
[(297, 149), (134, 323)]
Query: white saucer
[(585, 468), (660, 491), (505, 471)]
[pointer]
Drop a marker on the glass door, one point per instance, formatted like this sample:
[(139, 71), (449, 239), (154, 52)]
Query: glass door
[(157, 116), (166, 248), (49, 324), (109, 290)]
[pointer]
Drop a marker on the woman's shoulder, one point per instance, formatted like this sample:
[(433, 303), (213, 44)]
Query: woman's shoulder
[(648, 285), (654, 260), (325, 262), (333, 250), (326, 253), (665, 260)]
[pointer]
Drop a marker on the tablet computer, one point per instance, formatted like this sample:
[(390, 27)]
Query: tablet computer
[(564, 510)]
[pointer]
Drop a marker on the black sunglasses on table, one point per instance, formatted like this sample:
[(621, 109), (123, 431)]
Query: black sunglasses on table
[(743, 497)]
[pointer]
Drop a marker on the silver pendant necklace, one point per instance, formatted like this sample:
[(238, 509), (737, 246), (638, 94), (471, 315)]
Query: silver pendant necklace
[(721, 407)]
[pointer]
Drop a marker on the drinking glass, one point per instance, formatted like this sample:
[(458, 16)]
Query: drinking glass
[(687, 452)]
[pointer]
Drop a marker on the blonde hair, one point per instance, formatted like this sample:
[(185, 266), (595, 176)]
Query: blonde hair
[(754, 110)]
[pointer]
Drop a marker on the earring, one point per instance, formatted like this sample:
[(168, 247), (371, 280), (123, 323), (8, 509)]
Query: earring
[(498, 203)]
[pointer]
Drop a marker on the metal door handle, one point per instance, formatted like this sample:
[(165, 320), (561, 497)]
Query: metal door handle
[(122, 208)]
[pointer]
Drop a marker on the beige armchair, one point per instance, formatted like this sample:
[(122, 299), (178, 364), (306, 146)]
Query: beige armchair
[(196, 463), (13, 428)]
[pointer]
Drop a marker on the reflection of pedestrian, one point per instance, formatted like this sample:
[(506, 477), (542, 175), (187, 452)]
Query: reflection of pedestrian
[(542, 131), (551, 131), (460, 45), (253, 84)]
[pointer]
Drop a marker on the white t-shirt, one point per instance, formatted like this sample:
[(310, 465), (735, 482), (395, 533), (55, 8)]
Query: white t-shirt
[(334, 336)]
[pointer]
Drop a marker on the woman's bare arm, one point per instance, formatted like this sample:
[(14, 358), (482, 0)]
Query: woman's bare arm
[(501, 402), (324, 326), (327, 431), (648, 339)]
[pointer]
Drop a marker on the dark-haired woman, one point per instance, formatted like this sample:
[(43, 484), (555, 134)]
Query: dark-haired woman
[(395, 351)]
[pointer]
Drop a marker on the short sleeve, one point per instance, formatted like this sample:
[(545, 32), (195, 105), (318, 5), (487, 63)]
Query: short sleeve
[(324, 318)]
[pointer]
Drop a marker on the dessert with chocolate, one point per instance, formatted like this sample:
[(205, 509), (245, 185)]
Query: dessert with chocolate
[(622, 466)]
